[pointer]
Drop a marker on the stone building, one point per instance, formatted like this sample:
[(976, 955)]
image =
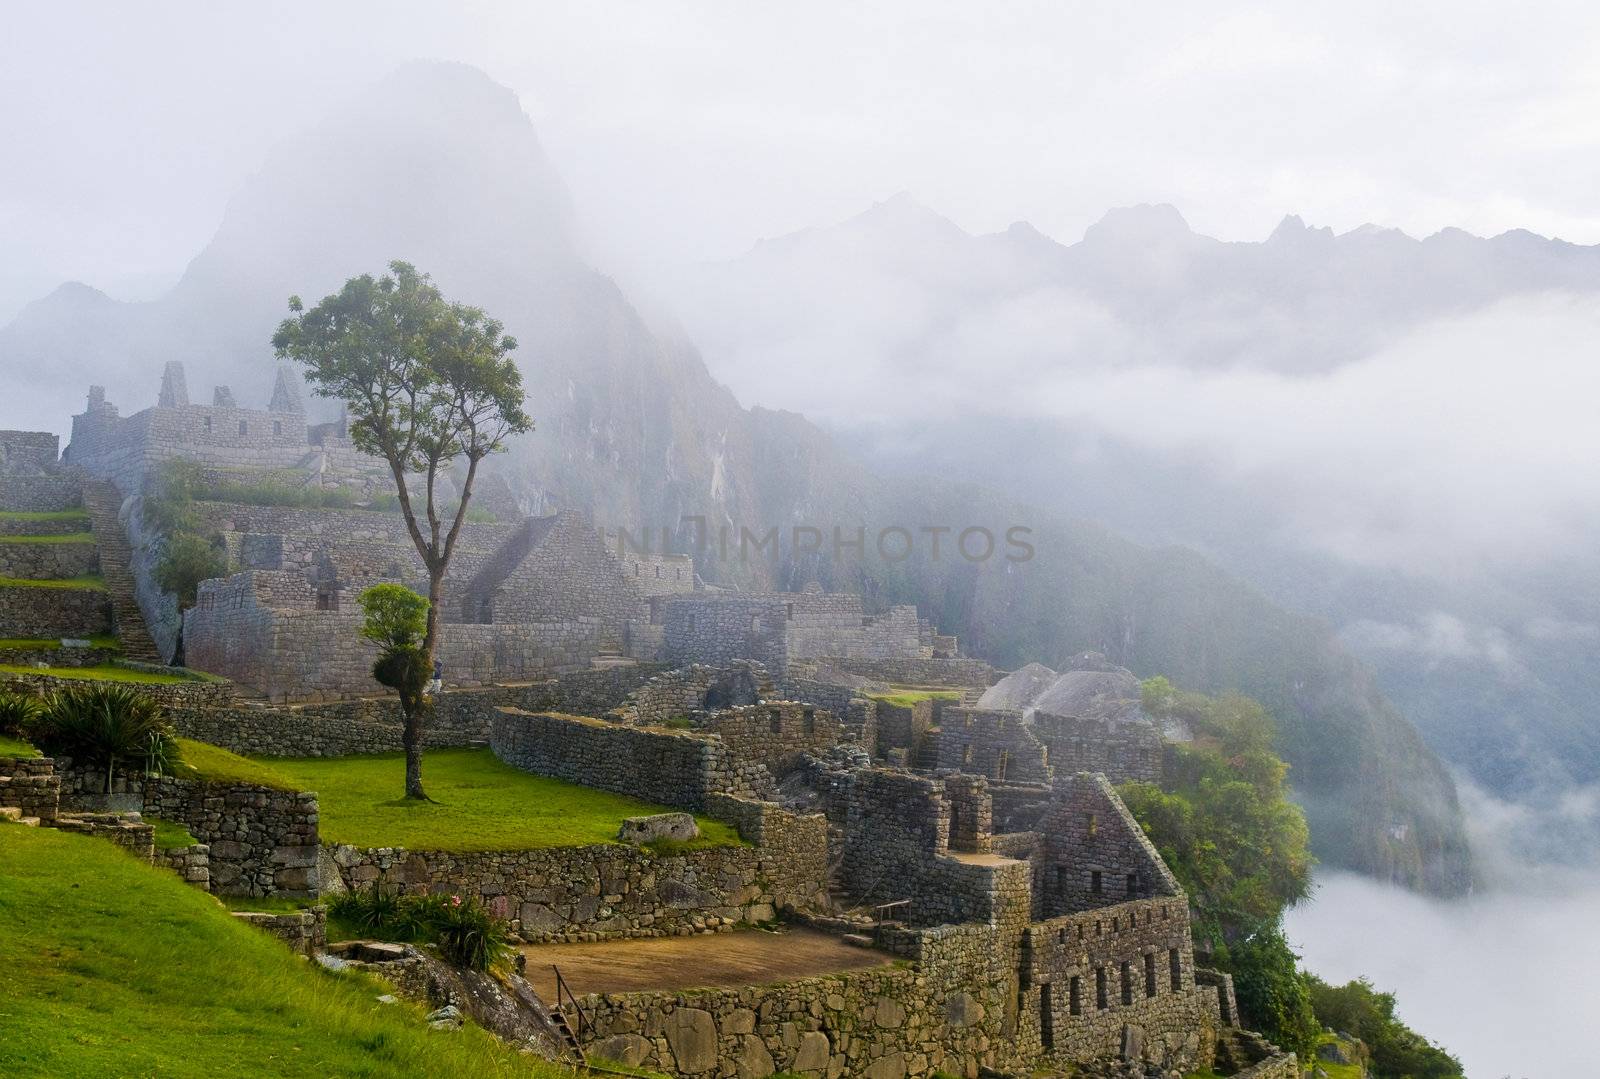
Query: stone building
[(780, 628), (127, 450)]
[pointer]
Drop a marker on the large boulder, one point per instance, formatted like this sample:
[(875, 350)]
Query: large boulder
[(675, 826)]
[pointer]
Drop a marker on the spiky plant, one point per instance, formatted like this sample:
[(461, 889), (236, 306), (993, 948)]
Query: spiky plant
[(17, 713), (106, 726)]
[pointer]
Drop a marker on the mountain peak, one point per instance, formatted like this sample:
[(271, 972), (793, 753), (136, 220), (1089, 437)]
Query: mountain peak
[(1293, 230), (1144, 223)]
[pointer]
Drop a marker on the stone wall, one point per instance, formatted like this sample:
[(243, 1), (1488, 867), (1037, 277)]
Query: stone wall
[(902, 726), (262, 841), (31, 611), (1125, 750), (173, 696), (31, 785), (191, 863), (304, 931), (339, 728), (1094, 853), (48, 493), (126, 830), (773, 733), (607, 891), (994, 744), (918, 671), (668, 767), (28, 451), (716, 629), (42, 561), (1088, 977), (263, 629)]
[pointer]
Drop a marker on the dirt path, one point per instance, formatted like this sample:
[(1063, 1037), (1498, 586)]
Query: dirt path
[(748, 957)]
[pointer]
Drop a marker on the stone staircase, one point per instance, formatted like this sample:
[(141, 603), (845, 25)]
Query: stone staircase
[(103, 502)]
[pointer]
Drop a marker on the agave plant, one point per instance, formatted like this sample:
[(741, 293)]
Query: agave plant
[(107, 726), (17, 713)]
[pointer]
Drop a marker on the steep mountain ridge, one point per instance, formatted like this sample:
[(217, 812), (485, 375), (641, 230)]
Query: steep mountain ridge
[(438, 165)]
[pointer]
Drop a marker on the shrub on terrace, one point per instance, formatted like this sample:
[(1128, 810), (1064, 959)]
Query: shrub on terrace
[(467, 935), (107, 726), (17, 712)]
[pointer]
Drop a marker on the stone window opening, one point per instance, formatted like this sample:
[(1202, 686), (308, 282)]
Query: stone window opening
[(1133, 884), (690, 620), (658, 573), (810, 718), (636, 569), (1047, 1034), (277, 427), (1102, 999), (966, 753), (244, 427), (1001, 764), (1175, 968), (1127, 983), (788, 611), (1062, 936), (775, 720), (208, 425), (1096, 886), (1166, 913), (1149, 974), (1075, 995), (1092, 825)]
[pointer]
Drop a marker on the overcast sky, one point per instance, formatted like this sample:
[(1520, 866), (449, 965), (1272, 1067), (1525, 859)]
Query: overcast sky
[(690, 130)]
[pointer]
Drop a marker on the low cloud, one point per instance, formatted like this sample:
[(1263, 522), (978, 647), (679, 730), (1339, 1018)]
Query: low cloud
[(1436, 637)]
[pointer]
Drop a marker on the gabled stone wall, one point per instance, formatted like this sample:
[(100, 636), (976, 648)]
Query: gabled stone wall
[(1094, 853)]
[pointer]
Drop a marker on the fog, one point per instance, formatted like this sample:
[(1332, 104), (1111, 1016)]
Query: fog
[(688, 130), (1505, 979)]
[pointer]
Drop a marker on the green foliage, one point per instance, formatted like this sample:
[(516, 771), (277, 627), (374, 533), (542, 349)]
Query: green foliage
[(110, 967), (1222, 818), (424, 380), (481, 803), (16, 747), (169, 507), (1272, 991), (17, 713), (1398, 1052), (186, 560), (468, 936), (108, 726), (395, 616)]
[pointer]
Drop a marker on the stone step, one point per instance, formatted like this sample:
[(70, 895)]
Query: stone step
[(104, 502), (858, 940), (10, 813), (30, 822)]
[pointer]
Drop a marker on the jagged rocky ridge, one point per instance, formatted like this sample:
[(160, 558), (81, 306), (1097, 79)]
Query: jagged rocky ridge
[(438, 165)]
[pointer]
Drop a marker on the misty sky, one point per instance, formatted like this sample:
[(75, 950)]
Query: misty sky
[(689, 130)]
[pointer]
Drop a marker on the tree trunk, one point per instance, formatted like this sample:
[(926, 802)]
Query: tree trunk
[(412, 706)]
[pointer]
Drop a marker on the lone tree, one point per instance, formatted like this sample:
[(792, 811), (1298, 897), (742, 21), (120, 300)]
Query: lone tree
[(426, 383)]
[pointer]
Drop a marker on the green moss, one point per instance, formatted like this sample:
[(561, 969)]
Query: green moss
[(905, 698), (201, 760), (64, 537), (170, 835), (263, 904), (480, 804), (111, 967), (86, 583)]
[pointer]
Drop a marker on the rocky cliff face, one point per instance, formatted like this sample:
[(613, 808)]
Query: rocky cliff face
[(439, 166)]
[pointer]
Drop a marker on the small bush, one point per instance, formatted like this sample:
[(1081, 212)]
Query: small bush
[(107, 726), (17, 713), (467, 935)]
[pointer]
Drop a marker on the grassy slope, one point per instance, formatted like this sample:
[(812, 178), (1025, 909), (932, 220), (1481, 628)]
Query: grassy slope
[(65, 517), (40, 644), (102, 674), (15, 747), (109, 967), (482, 804), (201, 760)]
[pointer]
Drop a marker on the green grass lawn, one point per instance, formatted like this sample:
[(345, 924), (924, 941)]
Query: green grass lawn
[(75, 519), (40, 644), (482, 805), (92, 583), (63, 537), (111, 967), (104, 673), (15, 747), (201, 760), (170, 834)]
